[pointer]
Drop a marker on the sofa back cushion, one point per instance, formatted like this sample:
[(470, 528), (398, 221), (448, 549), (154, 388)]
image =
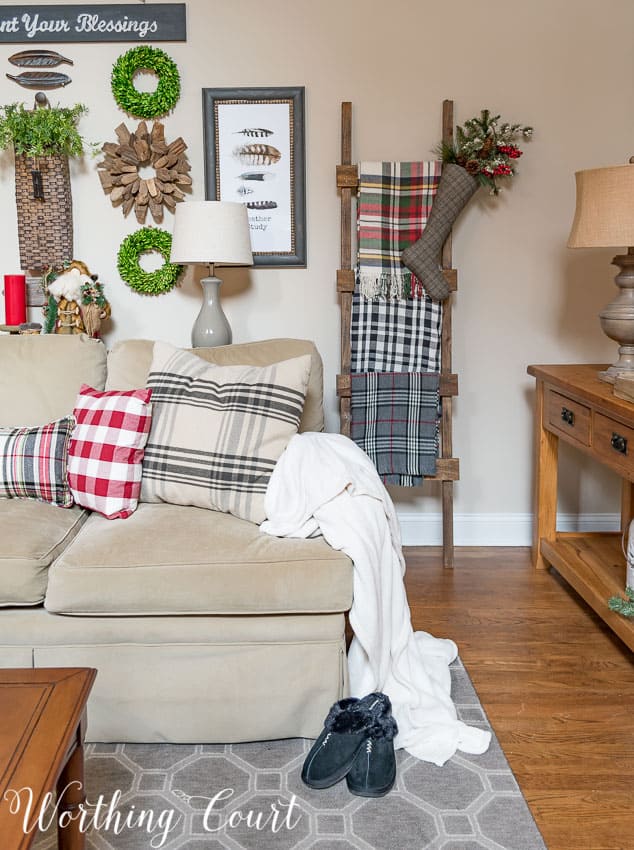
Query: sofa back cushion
[(129, 364), (40, 376)]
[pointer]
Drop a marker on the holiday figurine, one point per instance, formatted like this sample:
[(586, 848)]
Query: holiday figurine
[(76, 303)]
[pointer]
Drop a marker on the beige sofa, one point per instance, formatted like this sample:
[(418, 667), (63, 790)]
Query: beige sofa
[(201, 627)]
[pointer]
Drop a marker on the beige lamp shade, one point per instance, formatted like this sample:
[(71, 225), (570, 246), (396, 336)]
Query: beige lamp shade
[(214, 232), (604, 216)]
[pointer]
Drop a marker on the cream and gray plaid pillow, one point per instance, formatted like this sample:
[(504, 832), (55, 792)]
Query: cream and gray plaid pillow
[(218, 431)]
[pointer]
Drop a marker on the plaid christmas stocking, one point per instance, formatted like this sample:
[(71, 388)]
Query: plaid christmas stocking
[(422, 258)]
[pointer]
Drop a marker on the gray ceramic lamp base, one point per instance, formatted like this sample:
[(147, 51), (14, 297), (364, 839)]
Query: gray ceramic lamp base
[(211, 327), (617, 320)]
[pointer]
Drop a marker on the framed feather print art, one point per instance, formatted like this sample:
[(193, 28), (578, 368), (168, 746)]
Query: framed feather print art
[(255, 154)]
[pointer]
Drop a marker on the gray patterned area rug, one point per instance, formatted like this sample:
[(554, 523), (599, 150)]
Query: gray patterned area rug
[(251, 797)]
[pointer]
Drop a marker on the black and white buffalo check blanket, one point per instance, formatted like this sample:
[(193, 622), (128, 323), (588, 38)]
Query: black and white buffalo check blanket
[(394, 335), (394, 419)]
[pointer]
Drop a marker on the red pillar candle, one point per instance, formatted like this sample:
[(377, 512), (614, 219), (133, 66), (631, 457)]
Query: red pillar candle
[(14, 299)]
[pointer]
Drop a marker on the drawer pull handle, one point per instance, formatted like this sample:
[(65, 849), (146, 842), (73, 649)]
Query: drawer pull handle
[(619, 443), (568, 416)]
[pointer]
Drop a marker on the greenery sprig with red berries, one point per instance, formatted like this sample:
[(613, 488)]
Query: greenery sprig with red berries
[(485, 148)]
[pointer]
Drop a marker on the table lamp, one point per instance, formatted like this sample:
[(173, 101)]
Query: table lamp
[(216, 233), (604, 218)]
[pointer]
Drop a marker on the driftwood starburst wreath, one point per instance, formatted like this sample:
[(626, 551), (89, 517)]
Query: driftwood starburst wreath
[(142, 172)]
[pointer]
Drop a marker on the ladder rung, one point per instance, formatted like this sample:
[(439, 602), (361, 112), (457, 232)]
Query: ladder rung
[(451, 276), (347, 177), (447, 469), (448, 385), (345, 280)]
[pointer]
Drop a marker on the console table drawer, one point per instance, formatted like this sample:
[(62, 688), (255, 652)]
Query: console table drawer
[(613, 443), (568, 417)]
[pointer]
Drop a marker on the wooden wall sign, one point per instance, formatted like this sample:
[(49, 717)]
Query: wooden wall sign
[(81, 23)]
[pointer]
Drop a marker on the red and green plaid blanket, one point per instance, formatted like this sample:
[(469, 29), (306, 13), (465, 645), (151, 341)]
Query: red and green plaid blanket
[(394, 203)]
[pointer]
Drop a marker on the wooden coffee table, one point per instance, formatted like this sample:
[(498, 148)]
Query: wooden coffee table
[(42, 726)]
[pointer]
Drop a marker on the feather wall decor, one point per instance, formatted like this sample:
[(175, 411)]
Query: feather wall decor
[(256, 175), (257, 154), (38, 59), (255, 132), (41, 79), (261, 205)]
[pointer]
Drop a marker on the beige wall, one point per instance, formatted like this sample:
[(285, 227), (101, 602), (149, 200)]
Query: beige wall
[(524, 297)]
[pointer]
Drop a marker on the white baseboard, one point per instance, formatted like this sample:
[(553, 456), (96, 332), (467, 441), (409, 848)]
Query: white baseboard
[(493, 529)]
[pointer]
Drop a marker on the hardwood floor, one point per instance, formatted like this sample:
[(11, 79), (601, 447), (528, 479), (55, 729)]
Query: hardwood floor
[(558, 687)]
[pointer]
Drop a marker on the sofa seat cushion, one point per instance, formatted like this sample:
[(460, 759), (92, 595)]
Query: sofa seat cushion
[(170, 560), (32, 534)]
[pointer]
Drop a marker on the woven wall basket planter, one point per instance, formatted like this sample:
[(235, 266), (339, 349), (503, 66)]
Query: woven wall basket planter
[(45, 211)]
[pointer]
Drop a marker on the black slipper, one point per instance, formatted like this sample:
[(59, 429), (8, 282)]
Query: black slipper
[(346, 729), (373, 771), (332, 754)]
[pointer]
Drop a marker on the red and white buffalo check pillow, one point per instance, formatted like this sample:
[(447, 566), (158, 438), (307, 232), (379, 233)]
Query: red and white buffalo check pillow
[(106, 449)]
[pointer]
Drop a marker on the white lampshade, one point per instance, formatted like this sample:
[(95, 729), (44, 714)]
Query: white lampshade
[(211, 232), (604, 215)]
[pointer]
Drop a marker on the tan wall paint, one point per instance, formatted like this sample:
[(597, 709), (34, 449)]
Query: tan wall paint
[(524, 297)]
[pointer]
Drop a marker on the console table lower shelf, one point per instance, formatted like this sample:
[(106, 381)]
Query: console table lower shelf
[(593, 564)]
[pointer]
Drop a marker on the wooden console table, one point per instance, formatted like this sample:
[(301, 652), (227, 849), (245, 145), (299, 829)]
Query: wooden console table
[(573, 405), (42, 729)]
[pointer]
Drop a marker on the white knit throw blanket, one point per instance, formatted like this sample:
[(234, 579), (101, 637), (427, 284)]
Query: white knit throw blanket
[(324, 482)]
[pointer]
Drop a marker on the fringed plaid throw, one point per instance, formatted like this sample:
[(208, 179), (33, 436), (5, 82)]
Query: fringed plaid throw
[(394, 203), (394, 419)]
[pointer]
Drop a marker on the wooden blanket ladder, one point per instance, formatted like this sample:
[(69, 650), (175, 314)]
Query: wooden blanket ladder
[(448, 467)]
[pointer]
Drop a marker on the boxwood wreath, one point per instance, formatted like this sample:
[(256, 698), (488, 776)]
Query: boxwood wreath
[(145, 241), (145, 104)]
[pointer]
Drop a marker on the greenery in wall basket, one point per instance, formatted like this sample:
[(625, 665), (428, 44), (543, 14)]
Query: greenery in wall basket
[(146, 104), (42, 131), (145, 241)]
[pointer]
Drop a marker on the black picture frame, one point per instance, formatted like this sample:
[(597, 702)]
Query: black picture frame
[(260, 166)]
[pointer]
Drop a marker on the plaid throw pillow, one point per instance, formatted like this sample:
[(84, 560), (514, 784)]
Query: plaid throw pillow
[(218, 431), (34, 462), (106, 450)]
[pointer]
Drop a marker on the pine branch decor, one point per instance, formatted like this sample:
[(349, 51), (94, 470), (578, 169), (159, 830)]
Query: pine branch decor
[(121, 179), (623, 606), (486, 149)]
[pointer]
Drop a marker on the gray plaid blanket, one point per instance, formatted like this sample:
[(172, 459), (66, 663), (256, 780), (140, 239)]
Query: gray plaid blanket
[(394, 419)]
